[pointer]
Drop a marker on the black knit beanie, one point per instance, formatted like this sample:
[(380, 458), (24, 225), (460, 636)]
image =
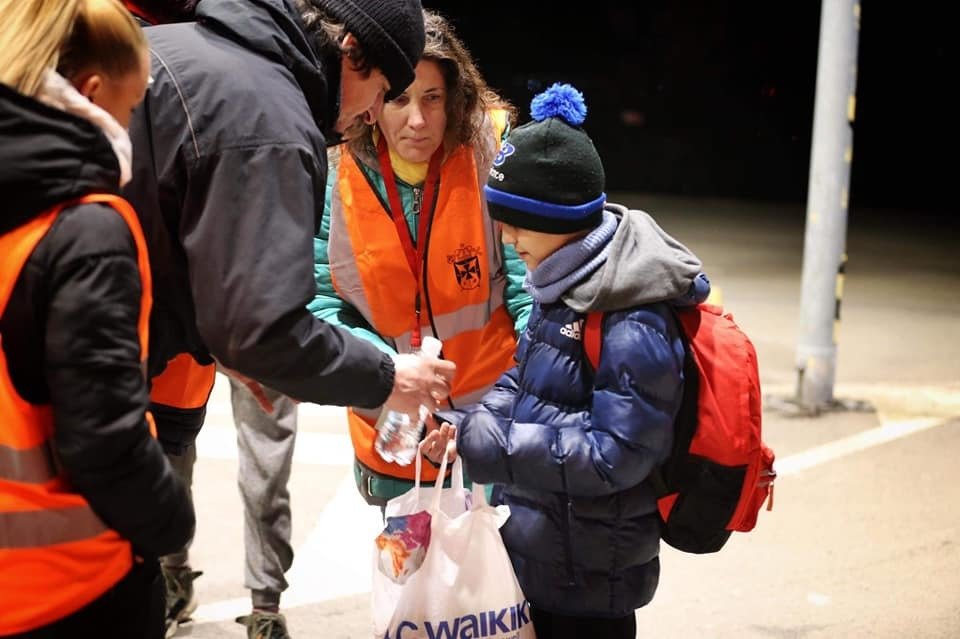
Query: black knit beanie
[(548, 176), (390, 33)]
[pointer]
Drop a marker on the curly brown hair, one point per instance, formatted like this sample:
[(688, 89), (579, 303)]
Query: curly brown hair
[(468, 95), (469, 98)]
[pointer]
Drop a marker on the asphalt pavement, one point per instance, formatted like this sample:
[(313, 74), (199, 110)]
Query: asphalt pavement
[(864, 536)]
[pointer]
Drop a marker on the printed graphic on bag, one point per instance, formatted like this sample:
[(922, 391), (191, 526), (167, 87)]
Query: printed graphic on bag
[(486, 623), (403, 545)]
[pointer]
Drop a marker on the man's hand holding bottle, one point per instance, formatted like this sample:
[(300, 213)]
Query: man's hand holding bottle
[(419, 380)]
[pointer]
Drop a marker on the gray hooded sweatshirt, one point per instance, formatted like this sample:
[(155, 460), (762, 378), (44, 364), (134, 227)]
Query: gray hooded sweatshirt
[(644, 265)]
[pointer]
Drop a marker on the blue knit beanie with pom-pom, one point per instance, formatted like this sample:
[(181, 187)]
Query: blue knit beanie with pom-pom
[(548, 176)]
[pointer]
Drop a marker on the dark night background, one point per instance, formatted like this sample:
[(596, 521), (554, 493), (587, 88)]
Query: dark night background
[(715, 97)]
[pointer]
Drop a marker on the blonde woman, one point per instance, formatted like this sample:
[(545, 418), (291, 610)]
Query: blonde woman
[(87, 499)]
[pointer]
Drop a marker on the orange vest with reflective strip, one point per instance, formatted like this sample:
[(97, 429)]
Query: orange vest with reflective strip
[(462, 283), (56, 555)]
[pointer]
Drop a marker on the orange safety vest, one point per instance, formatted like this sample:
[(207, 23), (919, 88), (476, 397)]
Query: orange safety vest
[(462, 278), (56, 555)]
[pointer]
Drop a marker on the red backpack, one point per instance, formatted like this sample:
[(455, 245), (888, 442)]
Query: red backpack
[(720, 472)]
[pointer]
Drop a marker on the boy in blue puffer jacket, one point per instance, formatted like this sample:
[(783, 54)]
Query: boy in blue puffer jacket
[(569, 448)]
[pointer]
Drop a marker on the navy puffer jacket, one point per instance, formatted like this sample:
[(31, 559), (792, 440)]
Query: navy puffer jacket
[(572, 450)]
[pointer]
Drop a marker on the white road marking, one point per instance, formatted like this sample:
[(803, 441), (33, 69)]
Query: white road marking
[(329, 449), (336, 559), (828, 452), (817, 599)]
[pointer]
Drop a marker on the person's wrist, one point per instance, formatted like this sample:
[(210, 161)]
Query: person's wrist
[(389, 369)]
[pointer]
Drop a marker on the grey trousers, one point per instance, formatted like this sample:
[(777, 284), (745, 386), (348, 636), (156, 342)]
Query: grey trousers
[(265, 453), (183, 466)]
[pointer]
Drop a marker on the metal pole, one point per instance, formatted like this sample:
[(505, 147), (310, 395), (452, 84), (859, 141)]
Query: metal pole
[(824, 252)]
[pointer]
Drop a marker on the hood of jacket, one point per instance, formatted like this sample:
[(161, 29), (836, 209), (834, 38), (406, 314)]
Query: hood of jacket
[(48, 156), (644, 265), (273, 29)]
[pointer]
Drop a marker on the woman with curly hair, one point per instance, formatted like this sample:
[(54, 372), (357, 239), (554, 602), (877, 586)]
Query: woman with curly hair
[(407, 248)]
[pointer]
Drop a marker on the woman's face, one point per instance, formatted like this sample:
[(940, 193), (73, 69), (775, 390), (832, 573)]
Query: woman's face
[(415, 122), (118, 95)]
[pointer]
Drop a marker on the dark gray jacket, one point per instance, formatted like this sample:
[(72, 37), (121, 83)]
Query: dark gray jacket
[(229, 176)]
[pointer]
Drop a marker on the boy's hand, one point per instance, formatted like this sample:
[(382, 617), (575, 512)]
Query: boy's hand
[(440, 437)]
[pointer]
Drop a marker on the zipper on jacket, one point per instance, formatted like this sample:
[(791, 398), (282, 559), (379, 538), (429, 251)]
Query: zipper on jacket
[(532, 329), (568, 505), (568, 538), (417, 209), (417, 201)]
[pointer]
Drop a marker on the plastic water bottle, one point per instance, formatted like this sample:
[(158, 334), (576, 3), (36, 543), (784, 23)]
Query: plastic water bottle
[(397, 435)]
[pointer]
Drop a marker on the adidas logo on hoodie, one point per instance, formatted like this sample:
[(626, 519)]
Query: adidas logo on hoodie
[(572, 330)]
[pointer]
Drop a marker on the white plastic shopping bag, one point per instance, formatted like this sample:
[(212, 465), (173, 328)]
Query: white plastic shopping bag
[(453, 500), (465, 585), (401, 547)]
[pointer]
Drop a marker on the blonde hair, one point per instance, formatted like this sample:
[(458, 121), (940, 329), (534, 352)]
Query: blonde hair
[(70, 36)]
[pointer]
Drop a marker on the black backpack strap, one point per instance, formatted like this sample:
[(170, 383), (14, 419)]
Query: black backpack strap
[(658, 483)]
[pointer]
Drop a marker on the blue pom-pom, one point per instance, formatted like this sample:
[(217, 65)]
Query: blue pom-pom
[(559, 101)]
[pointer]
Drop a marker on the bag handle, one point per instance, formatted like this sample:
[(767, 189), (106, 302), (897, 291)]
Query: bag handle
[(419, 469), (456, 476), (438, 486), (479, 496)]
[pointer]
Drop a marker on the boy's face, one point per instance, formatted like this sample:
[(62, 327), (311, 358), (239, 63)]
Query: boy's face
[(533, 246)]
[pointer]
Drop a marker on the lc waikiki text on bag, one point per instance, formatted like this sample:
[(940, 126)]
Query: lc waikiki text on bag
[(464, 586), (720, 472)]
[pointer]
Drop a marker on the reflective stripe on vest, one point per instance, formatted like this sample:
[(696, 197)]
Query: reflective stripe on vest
[(33, 465), (37, 528), (56, 554), (463, 279)]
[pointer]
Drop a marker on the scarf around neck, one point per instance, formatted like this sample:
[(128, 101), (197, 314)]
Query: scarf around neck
[(412, 173), (571, 263)]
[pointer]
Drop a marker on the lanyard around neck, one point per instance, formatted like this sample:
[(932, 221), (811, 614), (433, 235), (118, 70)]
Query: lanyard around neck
[(413, 252)]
